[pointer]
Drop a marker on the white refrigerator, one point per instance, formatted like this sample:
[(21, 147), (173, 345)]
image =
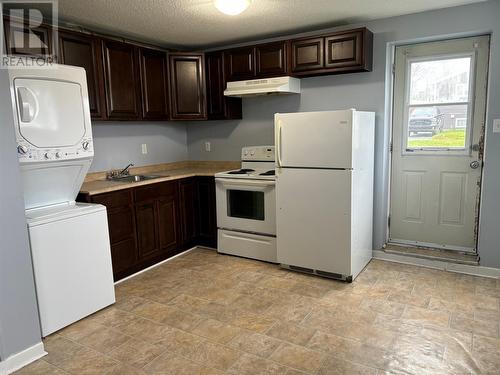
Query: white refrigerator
[(324, 191)]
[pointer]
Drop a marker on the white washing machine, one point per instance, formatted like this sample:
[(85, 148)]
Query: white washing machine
[(69, 241)]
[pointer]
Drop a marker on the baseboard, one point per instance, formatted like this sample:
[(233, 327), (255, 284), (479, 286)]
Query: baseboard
[(21, 359), (438, 264), (155, 265)]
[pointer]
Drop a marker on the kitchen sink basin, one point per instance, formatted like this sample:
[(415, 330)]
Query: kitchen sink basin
[(135, 178)]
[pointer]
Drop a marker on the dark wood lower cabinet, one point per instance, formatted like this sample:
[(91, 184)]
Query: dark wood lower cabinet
[(189, 211), (147, 229), (207, 214), (123, 257), (150, 223), (167, 224)]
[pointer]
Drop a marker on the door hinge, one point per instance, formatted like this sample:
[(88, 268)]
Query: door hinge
[(389, 220), (390, 147), (393, 69)]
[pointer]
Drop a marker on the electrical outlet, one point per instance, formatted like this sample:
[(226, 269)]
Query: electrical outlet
[(208, 147), (496, 126), (144, 148)]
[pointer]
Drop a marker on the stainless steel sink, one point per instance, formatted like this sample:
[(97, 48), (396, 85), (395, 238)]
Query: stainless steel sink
[(135, 178)]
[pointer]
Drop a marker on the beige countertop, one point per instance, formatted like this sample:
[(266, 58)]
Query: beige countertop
[(96, 183)]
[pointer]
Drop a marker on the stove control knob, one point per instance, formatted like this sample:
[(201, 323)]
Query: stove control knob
[(252, 152), (47, 155), (246, 152), (22, 149), (58, 155), (86, 145)]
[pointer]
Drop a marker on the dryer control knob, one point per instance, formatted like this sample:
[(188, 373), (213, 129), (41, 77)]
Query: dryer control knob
[(22, 149), (86, 145)]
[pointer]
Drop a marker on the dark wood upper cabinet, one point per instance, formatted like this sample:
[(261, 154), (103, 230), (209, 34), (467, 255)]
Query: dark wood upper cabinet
[(271, 59), (350, 51), (153, 64), (123, 90), (219, 107), (341, 52), (85, 51), (187, 86), (17, 39), (307, 54), (239, 63)]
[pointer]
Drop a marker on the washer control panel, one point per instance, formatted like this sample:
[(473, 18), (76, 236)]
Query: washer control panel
[(26, 152)]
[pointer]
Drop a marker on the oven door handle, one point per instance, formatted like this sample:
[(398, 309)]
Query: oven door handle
[(245, 183)]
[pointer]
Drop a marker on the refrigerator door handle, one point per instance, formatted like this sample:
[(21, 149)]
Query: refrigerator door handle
[(278, 144)]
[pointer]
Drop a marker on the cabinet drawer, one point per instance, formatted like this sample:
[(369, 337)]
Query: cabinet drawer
[(114, 199), (121, 224), (154, 191)]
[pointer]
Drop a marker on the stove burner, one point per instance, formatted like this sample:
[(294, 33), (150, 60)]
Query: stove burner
[(268, 173), (242, 171)]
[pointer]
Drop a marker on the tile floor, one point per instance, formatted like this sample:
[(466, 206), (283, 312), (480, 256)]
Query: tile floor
[(204, 313)]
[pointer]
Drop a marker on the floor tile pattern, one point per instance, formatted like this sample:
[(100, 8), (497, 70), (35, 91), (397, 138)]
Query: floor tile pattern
[(204, 313)]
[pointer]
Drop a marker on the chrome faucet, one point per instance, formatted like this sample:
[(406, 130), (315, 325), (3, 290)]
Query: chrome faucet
[(110, 175), (124, 171)]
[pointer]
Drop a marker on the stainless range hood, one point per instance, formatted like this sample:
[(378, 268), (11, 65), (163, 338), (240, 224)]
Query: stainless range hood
[(267, 86)]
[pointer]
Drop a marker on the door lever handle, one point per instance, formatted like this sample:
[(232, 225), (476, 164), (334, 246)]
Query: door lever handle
[(475, 164)]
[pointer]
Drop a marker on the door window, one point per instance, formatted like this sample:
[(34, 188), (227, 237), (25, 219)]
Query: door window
[(246, 204), (438, 104)]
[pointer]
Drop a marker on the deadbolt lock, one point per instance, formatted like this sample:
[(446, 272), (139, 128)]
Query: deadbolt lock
[(475, 164)]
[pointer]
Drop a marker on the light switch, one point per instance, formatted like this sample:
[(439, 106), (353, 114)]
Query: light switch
[(208, 147), (144, 148), (496, 126)]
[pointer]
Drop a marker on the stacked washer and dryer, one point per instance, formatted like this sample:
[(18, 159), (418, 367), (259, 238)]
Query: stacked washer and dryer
[(69, 241)]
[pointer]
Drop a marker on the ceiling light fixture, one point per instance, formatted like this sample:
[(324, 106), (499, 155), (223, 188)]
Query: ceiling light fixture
[(232, 7)]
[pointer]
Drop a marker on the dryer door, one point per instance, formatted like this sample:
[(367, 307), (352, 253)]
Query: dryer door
[(50, 112)]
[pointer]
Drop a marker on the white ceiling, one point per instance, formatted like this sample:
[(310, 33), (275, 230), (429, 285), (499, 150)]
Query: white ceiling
[(196, 23)]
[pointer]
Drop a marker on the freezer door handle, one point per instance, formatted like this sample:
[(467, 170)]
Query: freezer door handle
[(278, 144)]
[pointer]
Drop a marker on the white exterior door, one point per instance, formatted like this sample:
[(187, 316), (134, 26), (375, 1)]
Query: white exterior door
[(438, 127)]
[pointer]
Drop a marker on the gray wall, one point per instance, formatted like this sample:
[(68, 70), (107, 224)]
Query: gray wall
[(367, 91), (19, 324), (118, 143)]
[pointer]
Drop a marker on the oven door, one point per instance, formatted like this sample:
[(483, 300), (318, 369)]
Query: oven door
[(246, 205)]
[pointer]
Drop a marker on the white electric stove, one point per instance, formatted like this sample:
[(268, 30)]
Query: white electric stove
[(246, 206)]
